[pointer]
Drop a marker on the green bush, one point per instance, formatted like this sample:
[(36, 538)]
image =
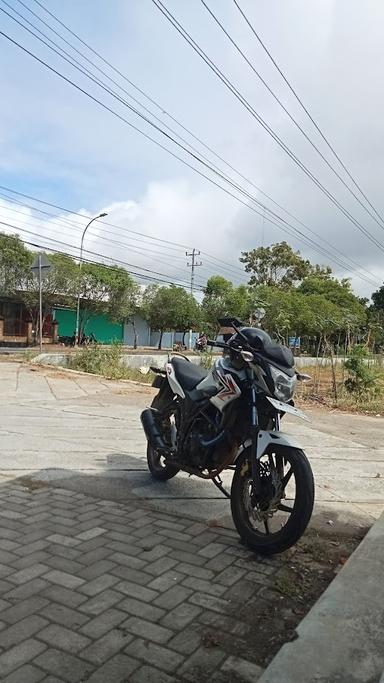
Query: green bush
[(207, 359), (362, 380), (106, 361)]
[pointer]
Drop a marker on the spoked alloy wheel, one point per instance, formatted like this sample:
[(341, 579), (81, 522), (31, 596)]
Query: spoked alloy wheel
[(281, 514)]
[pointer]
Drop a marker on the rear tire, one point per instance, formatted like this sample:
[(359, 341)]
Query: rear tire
[(289, 534), (156, 466)]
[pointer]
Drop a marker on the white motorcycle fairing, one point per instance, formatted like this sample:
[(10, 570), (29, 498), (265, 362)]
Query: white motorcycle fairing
[(271, 438), (173, 383), (287, 408)]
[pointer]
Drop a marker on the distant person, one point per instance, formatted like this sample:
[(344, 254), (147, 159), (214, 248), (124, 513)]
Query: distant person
[(201, 343)]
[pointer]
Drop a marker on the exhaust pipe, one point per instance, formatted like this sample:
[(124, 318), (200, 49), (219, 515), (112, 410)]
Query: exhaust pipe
[(151, 421)]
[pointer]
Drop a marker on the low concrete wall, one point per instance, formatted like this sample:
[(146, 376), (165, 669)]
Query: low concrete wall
[(157, 360), (131, 360), (138, 360), (59, 359), (341, 638)]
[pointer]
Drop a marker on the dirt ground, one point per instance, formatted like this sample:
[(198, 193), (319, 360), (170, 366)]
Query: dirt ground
[(312, 565)]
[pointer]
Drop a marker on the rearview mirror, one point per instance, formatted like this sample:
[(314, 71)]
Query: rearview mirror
[(302, 377), (247, 356)]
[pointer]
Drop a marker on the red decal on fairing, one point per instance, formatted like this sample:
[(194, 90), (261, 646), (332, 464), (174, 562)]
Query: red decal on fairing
[(230, 388)]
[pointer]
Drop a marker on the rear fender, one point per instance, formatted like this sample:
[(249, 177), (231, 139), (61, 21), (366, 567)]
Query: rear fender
[(173, 382), (267, 439)]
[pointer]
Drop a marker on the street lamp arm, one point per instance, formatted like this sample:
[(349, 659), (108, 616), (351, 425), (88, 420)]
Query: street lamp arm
[(77, 330), (101, 215)]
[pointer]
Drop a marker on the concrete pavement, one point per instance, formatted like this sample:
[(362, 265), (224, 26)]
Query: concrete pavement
[(61, 425)]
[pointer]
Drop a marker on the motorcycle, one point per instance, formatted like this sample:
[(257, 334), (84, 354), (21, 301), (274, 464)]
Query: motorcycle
[(201, 344), (205, 422), (83, 341)]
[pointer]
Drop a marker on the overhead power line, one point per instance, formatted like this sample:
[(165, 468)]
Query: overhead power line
[(147, 253), (87, 73), (160, 107), (72, 226), (238, 188), (305, 109), (370, 281), (129, 266), (281, 227), (157, 242), (87, 260), (292, 118), (185, 149), (180, 29)]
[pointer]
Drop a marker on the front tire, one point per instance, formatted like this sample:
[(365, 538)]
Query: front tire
[(255, 523)]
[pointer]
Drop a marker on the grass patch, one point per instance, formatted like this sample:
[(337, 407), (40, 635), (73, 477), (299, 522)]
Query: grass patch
[(107, 361), (321, 390)]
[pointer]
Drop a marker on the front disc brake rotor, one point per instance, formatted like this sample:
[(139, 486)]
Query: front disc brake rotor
[(268, 505)]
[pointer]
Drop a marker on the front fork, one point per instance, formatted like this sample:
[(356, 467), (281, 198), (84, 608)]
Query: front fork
[(255, 465)]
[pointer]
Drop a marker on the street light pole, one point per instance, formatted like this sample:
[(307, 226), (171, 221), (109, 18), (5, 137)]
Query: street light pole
[(40, 306), (77, 331)]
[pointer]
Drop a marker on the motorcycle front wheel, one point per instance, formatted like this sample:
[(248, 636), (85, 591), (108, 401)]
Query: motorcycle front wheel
[(279, 517)]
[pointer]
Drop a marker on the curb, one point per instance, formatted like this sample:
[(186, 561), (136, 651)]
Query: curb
[(89, 374), (341, 638)]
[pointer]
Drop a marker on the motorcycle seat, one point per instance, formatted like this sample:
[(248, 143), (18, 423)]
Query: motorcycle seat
[(188, 374)]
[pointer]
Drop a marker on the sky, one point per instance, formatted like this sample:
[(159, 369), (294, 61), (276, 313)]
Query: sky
[(61, 146)]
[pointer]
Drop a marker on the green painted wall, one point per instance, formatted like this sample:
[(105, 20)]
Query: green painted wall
[(104, 330)]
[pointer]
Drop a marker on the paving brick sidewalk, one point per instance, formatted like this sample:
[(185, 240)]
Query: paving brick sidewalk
[(93, 590)]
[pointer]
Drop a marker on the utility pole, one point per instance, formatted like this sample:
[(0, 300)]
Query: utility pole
[(194, 264)]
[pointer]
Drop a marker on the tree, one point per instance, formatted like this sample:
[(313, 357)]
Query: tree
[(105, 290), (136, 306), (339, 292), (352, 313), (15, 261), (278, 265), (59, 287), (187, 313), (378, 299), (170, 308), (222, 299)]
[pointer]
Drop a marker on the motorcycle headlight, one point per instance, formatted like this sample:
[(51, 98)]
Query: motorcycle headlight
[(284, 385)]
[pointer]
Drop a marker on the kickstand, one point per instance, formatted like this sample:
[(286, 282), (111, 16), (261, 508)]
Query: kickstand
[(217, 482)]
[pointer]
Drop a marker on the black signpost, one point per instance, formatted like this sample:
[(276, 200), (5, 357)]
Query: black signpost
[(41, 267)]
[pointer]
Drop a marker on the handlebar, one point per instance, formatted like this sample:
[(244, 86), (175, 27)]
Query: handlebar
[(220, 345)]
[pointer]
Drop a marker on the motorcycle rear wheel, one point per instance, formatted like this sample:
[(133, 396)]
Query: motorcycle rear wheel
[(292, 464)]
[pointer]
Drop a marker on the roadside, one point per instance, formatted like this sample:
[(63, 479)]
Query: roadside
[(358, 388)]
